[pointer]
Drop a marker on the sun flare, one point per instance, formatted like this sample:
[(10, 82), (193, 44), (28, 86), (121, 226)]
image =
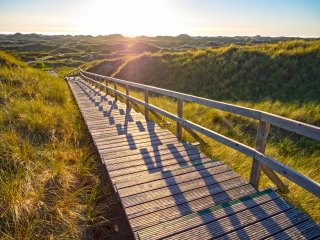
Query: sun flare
[(131, 18)]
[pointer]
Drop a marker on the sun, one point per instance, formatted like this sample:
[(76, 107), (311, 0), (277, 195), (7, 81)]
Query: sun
[(128, 17)]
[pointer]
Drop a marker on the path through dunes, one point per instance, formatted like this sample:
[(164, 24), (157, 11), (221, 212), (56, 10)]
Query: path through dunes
[(170, 189)]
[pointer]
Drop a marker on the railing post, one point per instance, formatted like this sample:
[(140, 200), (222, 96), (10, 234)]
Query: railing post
[(146, 100), (100, 81), (107, 87), (96, 82), (179, 114), (127, 99), (261, 142), (115, 93)]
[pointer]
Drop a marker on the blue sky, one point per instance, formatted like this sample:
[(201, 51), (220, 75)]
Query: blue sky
[(163, 17)]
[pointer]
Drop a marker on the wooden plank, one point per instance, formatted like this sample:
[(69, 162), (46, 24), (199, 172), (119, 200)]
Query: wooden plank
[(166, 183), (152, 167), (151, 217), (307, 229), (222, 227), (146, 158), (133, 136), (136, 209), (117, 113), (183, 158), (167, 194), (142, 125), (126, 130), (131, 182), (130, 145), (141, 173), (111, 120), (269, 225), (209, 215), (149, 152), (205, 216)]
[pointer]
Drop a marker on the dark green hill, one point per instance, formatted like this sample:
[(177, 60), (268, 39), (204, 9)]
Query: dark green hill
[(285, 71)]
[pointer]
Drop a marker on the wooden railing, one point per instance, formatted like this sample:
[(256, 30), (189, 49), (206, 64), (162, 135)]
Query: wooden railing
[(260, 160)]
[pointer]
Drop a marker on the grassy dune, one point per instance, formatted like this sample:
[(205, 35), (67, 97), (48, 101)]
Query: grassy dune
[(49, 184), (285, 71), (281, 78)]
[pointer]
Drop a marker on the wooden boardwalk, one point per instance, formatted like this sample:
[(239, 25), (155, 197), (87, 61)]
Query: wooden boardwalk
[(170, 190)]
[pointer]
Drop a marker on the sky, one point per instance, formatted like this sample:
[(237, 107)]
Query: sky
[(163, 17)]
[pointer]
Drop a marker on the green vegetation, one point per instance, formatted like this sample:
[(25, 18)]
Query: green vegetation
[(49, 178), (49, 184), (285, 71), (282, 78)]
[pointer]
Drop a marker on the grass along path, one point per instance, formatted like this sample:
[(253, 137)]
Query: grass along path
[(50, 183)]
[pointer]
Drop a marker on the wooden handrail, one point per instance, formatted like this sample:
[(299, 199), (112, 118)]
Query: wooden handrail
[(275, 120), (257, 153)]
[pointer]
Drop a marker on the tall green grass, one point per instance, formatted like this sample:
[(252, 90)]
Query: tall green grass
[(49, 178), (284, 71)]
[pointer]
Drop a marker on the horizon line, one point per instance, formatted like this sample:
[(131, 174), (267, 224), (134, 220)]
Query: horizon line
[(97, 35)]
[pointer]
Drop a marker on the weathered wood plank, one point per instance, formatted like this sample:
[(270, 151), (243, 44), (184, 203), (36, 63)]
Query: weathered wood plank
[(307, 229), (149, 151), (185, 197), (165, 140), (134, 136), (268, 226), (152, 167), (168, 192), (143, 172), (166, 184), (165, 159), (209, 215), (127, 183), (153, 216)]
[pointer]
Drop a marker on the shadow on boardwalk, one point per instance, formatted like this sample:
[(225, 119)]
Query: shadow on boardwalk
[(191, 193)]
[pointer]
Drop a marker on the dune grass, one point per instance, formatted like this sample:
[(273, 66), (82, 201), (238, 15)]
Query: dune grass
[(284, 71), (49, 174)]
